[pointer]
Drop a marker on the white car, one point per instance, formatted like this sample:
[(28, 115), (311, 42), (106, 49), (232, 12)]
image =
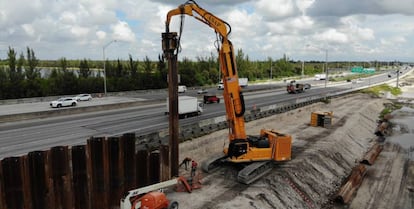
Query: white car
[(83, 97), (202, 91), (64, 102), (220, 86)]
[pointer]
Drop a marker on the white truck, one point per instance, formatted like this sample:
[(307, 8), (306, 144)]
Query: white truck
[(243, 82), (187, 106), (319, 77), (182, 89)]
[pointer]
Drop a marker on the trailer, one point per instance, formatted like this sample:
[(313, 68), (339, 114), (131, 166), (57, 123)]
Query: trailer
[(187, 106)]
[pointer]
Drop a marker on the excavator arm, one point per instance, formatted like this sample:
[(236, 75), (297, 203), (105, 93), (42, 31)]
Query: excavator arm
[(232, 93)]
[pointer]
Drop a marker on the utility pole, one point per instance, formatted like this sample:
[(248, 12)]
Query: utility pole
[(326, 67), (303, 69), (169, 46), (104, 61), (271, 69), (398, 77)]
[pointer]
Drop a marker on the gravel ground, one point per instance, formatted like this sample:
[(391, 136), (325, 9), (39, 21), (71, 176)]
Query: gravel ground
[(321, 159)]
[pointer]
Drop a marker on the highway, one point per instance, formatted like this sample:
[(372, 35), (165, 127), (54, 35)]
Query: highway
[(20, 137)]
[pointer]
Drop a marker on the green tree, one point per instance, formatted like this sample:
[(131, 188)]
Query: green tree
[(149, 76), (284, 68), (187, 72), (12, 85), (162, 71), (133, 69), (31, 72), (64, 80), (3, 84), (19, 70), (84, 70)]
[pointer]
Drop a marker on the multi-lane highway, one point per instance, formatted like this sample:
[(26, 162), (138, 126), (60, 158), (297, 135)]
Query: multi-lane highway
[(21, 137)]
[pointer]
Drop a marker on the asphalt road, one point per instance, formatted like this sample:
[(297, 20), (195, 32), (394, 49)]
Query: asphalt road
[(21, 137)]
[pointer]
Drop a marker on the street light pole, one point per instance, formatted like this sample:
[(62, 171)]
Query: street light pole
[(326, 67), (104, 61), (271, 69)]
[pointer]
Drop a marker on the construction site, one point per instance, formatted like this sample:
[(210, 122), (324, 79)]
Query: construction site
[(322, 161)]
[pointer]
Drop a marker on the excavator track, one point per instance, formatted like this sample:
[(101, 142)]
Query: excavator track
[(213, 164), (254, 171)]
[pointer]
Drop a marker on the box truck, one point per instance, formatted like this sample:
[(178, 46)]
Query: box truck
[(243, 82), (187, 106)]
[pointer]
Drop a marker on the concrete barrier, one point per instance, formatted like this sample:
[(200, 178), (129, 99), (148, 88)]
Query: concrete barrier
[(70, 111)]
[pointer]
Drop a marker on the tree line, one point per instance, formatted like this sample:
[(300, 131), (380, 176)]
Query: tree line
[(23, 75)]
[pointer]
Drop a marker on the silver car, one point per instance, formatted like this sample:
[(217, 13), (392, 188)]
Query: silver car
[(83, 97), (63, 102)]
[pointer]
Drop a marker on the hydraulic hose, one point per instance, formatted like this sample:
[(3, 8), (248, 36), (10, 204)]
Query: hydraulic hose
[(243, 108)]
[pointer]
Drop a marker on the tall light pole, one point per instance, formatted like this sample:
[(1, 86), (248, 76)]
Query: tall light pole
[(326, 62), (303, 69), (104, 61), (326, 67), (271, 69)]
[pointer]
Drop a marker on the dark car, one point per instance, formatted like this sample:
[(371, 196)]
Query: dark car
[(211, 99)]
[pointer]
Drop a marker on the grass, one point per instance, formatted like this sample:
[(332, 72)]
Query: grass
[(378, 90), (348, 77)]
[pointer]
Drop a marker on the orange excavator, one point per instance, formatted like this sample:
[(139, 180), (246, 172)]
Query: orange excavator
[(257, 154)]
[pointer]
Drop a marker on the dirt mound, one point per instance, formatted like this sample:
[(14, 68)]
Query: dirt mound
[(321, 158)]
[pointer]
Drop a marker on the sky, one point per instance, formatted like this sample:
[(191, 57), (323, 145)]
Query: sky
[(337, 30)]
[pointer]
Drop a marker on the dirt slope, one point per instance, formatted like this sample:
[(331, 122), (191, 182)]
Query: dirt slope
[(322, 158)]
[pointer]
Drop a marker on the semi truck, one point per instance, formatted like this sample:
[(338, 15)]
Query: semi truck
[(293, 87), (187, 106)]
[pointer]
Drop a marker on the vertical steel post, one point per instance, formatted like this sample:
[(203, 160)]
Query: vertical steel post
[(169, 45), (326, 68)]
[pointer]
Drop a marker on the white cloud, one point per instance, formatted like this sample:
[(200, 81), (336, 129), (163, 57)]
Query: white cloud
[(396, 40), (276, 9), (29, 29), (355, 31), (122, 32), (303, 5), (79, 31), (100, 35), (332, 36)]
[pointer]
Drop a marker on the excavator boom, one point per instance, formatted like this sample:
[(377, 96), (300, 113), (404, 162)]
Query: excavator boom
[(232, 93)]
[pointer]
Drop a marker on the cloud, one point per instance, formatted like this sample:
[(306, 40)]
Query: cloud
[(277, 9), (122, 32), (352, 7), (332, 36)]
